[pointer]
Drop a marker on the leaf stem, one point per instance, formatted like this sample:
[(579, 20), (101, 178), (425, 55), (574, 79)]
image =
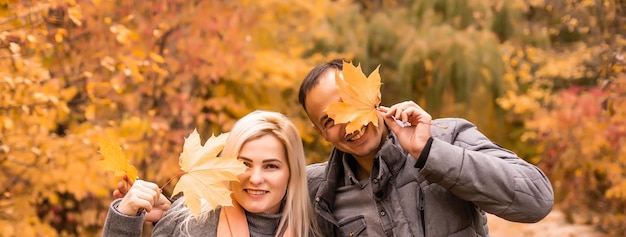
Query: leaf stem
[(407, 124), (436, 125), (175, 177)]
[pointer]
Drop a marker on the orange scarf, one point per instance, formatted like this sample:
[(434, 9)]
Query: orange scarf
[(233, 222)]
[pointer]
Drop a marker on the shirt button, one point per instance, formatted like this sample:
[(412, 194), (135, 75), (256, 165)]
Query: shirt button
[(317, 199), (382, 213), (375, 181)]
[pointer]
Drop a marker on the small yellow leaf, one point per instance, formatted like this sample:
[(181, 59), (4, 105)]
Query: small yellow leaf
[(360, 97), (139, 53), (68, 93), (7, 123), (206, 175), (115, 160), (60, 34), (15, 48), (157, 58), (90, 112), (76, 15)]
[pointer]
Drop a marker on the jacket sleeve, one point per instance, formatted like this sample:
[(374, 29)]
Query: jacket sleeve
[(119, 224), (473, 168), (169, 224)]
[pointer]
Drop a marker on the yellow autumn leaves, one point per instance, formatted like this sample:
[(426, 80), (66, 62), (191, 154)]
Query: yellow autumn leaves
[(205, 178), (115, 160), (206, 175), (360, 97)]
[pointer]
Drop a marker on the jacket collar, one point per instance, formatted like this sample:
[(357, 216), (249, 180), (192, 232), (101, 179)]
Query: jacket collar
[(390, 159)]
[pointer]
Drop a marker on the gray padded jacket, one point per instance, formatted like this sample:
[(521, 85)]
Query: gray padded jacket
[(465, 175)]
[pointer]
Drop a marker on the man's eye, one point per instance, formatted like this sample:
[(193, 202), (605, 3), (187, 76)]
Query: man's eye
[(329, 122)]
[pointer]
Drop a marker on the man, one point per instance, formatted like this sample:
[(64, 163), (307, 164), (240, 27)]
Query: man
[(432, 178)]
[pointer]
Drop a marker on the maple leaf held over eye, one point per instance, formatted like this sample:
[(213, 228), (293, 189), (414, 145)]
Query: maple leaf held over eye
[(115, 160), (360, 97), (206, 175)]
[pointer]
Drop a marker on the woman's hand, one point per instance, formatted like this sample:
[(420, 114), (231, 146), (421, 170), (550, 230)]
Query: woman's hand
[(142, 195)]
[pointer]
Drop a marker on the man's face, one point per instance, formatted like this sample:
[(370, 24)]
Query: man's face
[(362, 143)]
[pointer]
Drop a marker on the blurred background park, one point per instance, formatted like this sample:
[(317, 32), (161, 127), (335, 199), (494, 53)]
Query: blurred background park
[(544, 78)]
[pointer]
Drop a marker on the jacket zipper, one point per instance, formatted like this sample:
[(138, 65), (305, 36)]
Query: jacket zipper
[(421, 207)]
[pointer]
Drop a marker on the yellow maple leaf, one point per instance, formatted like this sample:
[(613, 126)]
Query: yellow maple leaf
[(206, 175), (360, 97), (115, 160)]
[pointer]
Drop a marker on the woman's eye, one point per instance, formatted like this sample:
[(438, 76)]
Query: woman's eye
[(247, 164), (272, 166)]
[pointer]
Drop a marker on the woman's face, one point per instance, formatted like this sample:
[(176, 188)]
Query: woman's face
[(263, 185)]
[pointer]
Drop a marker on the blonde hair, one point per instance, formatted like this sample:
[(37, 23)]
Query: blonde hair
[(297, 211)]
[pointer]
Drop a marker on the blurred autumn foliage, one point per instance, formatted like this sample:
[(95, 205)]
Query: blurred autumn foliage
[(581, 144), (148, 72), (542, 77)]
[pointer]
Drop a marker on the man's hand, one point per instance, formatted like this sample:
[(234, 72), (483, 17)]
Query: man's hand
[(413, 137), (142, 195)]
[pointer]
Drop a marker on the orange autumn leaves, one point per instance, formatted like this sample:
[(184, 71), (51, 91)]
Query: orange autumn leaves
[(360, 97), (205, 177)]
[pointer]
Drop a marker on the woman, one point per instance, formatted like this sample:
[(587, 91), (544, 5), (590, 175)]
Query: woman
[(272, 191)]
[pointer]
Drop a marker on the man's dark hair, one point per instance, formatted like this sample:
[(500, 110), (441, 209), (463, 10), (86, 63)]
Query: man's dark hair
[(312, 78)]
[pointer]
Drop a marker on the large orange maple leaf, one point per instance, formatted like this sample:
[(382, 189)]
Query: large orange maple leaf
[(115, 160), (360, 97), (206, 175)]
